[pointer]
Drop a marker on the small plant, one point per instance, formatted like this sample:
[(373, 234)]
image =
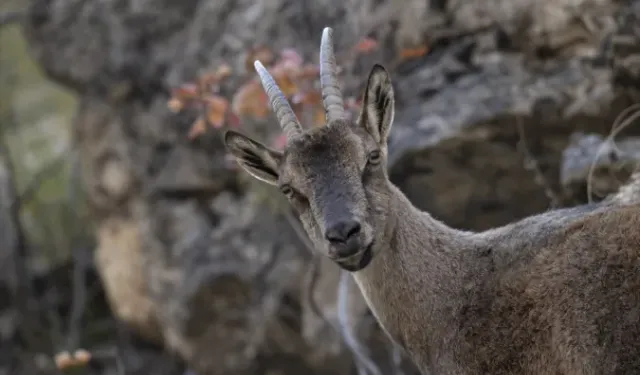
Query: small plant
[(297, 79)]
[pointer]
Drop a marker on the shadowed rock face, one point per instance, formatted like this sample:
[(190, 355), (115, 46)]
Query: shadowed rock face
[(9, 250), (193, 257)]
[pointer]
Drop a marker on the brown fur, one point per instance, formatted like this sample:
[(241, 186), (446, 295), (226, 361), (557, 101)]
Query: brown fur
[(556, 293), (559, 295)]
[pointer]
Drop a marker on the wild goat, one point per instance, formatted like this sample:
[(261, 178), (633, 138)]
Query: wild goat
[(556, 293)]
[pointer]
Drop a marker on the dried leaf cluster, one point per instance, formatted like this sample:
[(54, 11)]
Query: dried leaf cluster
[(298, 80)]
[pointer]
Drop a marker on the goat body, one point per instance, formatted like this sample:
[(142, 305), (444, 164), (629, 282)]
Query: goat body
[(556, 293)]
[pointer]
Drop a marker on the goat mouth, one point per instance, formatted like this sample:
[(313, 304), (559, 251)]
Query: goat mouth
[(358, 261)]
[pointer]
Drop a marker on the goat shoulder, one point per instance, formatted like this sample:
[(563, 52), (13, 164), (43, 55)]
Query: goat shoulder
[(568, 303)]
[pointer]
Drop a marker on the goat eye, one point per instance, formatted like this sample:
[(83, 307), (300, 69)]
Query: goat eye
[(374, 157), (286, 190)]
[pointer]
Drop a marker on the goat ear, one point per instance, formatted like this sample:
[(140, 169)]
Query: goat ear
[(257, 159), (378, 105)]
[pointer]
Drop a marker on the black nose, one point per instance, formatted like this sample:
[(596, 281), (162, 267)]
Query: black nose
[(341, 231)]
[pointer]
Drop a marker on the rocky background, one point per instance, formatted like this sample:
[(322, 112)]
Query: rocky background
[(162, 258)]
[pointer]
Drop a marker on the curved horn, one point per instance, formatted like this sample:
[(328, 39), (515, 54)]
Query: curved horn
[(331, 94), (284, 113)]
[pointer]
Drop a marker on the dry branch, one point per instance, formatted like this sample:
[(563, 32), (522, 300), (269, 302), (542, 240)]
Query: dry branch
[(365, 364), (532, 165)]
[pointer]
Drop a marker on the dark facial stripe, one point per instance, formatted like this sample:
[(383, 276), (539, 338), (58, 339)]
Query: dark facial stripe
[(334, 199)]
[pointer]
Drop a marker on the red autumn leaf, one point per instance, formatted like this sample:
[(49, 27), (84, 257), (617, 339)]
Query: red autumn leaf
[(308, 71), (312, 114), (223, 72), (216, 110), (206, 80), (366, 45), (198, 127), (205, 84), (291, 57), (318, 116), (282, 77), (175, 105), (413, 52), (310, 97), (185, 91), (250, 100)]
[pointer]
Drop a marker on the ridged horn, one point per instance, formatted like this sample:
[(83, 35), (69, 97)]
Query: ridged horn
[(284, 113), (331, 94)]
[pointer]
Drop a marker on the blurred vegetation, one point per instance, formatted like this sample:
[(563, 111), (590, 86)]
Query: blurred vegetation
[(36, 116)]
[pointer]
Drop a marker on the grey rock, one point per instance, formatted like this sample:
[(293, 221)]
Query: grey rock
[(208, 264)]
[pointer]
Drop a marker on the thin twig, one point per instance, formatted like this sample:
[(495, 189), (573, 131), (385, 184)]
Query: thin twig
[(261, 275), (617, 127), (295, 224), (351, 342), (264, 270), (55, 322), (531, 164), (314, 266), (396, 359), (24, 288), (120, 369), (81, 261), (344, 325), (78, 303), (124, 339), (343, 320), (342, 332)]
